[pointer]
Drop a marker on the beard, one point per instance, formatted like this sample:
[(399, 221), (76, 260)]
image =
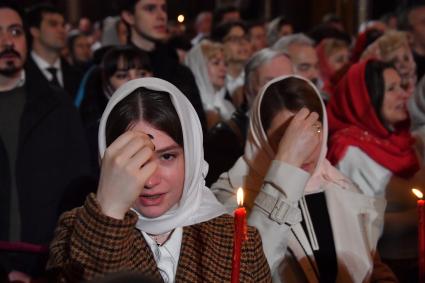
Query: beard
[(10, 70), (11, 67)]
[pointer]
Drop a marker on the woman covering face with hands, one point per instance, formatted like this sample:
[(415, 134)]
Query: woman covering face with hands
[(152, 213), (306, 211)]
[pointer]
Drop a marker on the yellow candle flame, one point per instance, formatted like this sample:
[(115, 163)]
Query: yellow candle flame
[(417, 193), (180, 18), (239, 197)]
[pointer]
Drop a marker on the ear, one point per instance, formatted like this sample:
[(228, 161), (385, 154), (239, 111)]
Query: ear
[(127, 17), (35, 32)]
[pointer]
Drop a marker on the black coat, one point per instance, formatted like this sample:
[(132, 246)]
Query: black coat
[(71, 76), (52, 160)]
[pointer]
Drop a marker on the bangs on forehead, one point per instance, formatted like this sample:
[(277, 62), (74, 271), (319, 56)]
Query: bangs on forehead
[(127, 63)]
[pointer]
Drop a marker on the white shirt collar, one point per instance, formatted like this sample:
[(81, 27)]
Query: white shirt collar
[(233, 83), (43, 65), (167, 255)]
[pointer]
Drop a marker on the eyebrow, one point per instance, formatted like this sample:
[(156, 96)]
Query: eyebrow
[(168, 148), (15, 26)]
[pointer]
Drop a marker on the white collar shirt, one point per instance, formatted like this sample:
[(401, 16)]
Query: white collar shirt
[(167, 255), (43, 65)]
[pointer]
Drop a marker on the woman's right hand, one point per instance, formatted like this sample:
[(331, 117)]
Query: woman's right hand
[(126, 166), (300, 139)]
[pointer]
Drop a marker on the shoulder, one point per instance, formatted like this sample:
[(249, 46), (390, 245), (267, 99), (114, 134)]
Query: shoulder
[(355, 158)]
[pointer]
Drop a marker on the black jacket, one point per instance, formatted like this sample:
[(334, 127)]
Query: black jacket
[(52, 160), (71, 76)]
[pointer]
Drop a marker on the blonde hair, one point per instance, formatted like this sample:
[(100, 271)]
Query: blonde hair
[(211, 49), (391, 41)]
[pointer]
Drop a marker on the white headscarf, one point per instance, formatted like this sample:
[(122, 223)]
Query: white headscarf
[(197, 204), (259, 154), (211, 99)]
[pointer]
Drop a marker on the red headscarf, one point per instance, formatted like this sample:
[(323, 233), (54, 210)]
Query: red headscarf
[(329, 76), (353, 121)]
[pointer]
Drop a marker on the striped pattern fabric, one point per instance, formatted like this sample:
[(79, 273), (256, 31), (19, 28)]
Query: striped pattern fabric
[(89, 245)]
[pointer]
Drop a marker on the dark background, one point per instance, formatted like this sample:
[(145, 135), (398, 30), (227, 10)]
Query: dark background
[(304, 14)]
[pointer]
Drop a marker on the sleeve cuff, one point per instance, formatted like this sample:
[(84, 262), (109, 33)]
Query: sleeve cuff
[(287, 180)]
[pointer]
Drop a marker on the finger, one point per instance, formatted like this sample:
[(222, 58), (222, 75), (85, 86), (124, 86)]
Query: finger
[(312, 118), (147, 171), (139, 159), (302, 114), (133, 146), (123, 140)]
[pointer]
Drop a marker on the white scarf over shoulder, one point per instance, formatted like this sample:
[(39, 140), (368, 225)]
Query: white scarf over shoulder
[(197, 204)]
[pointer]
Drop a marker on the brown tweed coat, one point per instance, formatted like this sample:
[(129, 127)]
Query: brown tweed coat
[(88, 244)]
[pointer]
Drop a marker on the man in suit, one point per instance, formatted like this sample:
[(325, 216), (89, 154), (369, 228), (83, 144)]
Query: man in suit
[(48, 36), (43, 154)]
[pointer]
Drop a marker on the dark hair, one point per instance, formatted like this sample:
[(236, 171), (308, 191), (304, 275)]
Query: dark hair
[(72, 37), (291, 94), (372, 35), (324, 31), (375, 84), (219, 13), (403, 22), (35, 13), (221, 31), (127, 5), (131, 56), (13, 5), (154, 107)]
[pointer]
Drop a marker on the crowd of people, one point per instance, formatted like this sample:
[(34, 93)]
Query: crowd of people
[(123, 143)]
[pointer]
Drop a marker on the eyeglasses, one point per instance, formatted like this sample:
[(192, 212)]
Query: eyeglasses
[(236, 39)]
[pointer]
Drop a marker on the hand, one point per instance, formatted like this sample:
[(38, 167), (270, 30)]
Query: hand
[(126, 166), (300, 139)]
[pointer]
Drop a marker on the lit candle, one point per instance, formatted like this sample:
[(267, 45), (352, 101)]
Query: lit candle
[(421, 235), (239, 236)]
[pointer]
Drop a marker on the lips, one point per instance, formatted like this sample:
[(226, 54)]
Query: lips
[(9, 56), (161, 28), (151, 199)]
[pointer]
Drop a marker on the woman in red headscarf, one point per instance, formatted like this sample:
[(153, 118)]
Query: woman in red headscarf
[(370, 142), (333, 55)]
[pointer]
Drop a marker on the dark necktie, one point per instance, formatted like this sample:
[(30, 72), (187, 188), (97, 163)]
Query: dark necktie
[(54, 80)]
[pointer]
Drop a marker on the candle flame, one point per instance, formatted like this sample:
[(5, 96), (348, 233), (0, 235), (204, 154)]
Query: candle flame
[(417, 193), (239, 196)]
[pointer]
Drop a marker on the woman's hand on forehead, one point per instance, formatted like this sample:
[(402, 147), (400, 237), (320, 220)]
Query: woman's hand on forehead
[(126, 166), (300, 138)]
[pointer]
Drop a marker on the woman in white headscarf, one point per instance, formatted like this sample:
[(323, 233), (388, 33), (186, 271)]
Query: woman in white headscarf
[(152, 212), (207, 62), (315, 225)]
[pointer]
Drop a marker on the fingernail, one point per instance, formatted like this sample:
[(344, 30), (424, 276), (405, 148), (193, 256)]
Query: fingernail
[(150, 136)]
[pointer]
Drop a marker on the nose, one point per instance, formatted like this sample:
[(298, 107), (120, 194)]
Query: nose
[(6, 39), (153, 180), (162, 14), (404, 93), (133, 74)]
